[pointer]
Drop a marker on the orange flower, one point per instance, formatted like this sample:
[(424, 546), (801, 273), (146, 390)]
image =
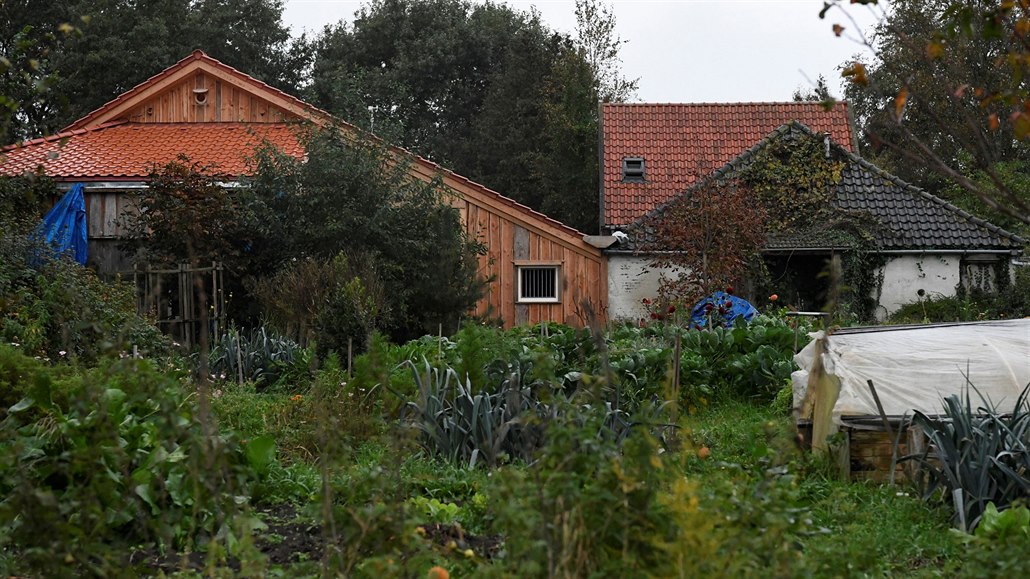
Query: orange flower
[(438, 573), (703, 452)]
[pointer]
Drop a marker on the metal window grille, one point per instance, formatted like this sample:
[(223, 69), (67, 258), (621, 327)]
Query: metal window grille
[(538, 284)]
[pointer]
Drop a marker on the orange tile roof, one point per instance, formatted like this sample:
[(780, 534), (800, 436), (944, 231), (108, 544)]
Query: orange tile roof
[(681, 143), (122, 151)]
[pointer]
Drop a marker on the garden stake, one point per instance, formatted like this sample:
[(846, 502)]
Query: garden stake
[(350, 356), (894, 449)]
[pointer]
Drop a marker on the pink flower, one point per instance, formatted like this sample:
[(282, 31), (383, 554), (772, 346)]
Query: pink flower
[(774, 297)]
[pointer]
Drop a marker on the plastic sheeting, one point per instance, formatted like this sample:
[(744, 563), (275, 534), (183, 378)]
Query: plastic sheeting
[(915, 367), (64, 227), (738, 307)]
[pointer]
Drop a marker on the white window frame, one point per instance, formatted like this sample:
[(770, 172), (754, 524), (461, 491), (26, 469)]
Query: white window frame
[(555, 266)]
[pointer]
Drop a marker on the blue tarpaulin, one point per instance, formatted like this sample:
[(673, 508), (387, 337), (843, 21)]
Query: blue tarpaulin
[(64, 227), (722, 305)]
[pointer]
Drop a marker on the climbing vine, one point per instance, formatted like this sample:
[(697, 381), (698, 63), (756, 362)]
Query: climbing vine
[(793, 179)]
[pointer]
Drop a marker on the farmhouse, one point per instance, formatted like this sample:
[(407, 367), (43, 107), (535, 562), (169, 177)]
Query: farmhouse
[(655, 154), (540, 269)]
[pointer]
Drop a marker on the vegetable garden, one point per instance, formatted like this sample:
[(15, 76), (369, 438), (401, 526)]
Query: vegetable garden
[(536, 451)]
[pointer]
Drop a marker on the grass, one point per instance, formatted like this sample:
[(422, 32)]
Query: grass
[(862, 529)]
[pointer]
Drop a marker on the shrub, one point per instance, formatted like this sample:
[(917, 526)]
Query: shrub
[(56, 308), (1011, 301)]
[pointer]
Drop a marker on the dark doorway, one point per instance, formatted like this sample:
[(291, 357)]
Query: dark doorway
[(801, 280)]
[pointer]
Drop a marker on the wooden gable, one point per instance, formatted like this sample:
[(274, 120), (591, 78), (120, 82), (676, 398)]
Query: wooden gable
[(200, 89)]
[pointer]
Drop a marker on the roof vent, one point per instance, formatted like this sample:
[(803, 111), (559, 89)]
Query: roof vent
[(633, 169)]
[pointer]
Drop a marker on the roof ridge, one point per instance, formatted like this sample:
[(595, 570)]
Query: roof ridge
[(714, 103), (62, 135)]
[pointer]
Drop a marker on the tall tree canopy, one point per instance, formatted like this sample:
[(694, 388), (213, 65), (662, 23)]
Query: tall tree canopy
[(120, 43), (947, 100), (483, 89)]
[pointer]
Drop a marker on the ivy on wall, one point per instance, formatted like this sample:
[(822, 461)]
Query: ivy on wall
[(793, 179)]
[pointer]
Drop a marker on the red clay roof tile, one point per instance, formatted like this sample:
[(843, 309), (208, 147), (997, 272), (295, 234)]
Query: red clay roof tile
[(682, 142), (128, 151)]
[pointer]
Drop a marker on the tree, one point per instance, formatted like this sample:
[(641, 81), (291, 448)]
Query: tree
[(820, 92), (709, 236), (185, 215), (947, 96), (600, 45), (352, 199), (485, 90)]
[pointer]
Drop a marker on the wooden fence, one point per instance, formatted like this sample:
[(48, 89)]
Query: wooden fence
[(175, 299)]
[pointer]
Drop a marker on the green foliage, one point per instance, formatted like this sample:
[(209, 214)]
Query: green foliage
[(57, 309), (185, 215), (1000, 545), (261, 357), (416, 266), (794, 181), (1012, 301), (976, 455), (108, 458), (23, 201)]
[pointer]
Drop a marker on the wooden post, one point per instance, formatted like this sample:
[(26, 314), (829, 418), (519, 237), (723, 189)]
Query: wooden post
[(676, 378), (350, 357)]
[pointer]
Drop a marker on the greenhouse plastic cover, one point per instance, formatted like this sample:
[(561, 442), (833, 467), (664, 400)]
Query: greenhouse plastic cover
[(915, 367)]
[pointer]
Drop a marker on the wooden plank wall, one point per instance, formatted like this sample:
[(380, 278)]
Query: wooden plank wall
[(104, 228), (583, 275), (223, 102)]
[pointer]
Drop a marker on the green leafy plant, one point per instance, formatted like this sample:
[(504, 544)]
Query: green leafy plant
[(98, 461), (261, 356), (976, 455)]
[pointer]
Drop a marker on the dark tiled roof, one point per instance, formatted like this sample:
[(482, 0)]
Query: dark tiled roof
[(682, 143), (901, 216)]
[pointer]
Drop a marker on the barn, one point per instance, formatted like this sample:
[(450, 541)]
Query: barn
[(539, 269)]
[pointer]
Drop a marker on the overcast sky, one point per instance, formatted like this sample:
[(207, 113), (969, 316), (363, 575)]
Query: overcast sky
[(690, 50)]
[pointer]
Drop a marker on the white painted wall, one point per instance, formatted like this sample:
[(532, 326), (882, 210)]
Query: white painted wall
[(904, 275), (630, 280)]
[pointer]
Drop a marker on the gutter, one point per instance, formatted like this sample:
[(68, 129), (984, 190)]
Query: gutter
[(130, 185), (833, 249), (949, 251)]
